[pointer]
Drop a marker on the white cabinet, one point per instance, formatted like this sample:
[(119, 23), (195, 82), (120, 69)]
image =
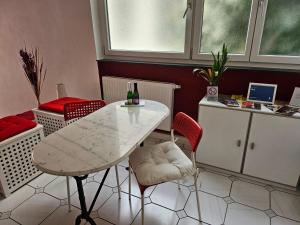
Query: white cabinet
[(273, 142), (273, 151), (224, 135)]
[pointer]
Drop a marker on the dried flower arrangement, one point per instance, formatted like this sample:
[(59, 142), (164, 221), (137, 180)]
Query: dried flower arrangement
[(34, 70)]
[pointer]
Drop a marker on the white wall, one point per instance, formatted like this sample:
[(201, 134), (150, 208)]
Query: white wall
[(62, 29)]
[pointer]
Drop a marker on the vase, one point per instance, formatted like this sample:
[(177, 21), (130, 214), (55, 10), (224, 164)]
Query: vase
[(212, 93)]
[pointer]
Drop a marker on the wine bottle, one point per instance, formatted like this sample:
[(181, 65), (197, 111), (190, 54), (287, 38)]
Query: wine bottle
[(129, 94), (136, 97)]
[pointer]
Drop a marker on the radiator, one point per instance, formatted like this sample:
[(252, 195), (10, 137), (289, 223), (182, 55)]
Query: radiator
[(115, 89)]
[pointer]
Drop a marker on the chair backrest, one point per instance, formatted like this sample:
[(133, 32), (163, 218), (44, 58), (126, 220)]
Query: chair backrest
[(189, 128), (80, 109)]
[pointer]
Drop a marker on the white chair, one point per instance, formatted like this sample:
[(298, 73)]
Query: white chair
[(165, 162)]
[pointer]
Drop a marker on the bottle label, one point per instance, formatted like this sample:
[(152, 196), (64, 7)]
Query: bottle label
[(136, 101)]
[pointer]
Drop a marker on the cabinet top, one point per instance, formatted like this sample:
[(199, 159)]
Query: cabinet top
[(264, 109)]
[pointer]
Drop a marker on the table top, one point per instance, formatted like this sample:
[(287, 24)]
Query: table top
[(98, 141), (263, 110)]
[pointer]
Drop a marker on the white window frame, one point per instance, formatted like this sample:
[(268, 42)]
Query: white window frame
[(199, 12), (149, 54), (255, 56)]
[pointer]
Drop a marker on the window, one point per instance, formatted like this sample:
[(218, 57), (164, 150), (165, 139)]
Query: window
[(277, 36), (257, 32), (154, 26), (224, 21)]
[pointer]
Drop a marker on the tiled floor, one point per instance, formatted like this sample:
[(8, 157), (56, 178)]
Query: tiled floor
[(224, 199)]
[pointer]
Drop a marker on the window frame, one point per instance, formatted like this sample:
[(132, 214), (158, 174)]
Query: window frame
[(145, 54), (258, 33), (199, 12), (189, 57)]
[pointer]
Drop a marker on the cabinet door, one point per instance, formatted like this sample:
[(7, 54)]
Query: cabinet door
[(273, 151), (224, 134)]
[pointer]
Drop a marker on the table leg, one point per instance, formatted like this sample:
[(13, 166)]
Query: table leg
[(85, 214)]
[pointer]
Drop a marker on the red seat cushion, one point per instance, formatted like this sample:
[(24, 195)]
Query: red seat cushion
[(13, 125), (58, 104), (26, 115)]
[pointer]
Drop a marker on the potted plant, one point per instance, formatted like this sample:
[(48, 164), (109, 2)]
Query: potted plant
[(34, 70), (214, 74)]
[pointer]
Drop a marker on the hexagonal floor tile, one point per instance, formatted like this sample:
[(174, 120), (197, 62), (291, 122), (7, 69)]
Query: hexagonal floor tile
[(135, 190), (8, 222), (286, 205), (35, 209), (15, 199), (189, 221), (120, 211), (62, 215), (212, 208), (58, 187), (42, 180), (282, 221), (250, 194), (111, 179), (90, 190), (101, 222), (168, 195), (214, 184), (156, 215), (238, 214)]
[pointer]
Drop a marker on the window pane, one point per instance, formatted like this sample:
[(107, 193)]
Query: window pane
[(147, 25), (225, 21), (281, 34)]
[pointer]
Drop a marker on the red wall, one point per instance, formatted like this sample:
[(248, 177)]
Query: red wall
[(234, 81)]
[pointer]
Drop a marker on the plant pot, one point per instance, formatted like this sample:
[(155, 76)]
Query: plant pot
[(212, 93)]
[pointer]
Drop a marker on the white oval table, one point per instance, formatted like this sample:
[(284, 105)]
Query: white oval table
[(97, 142)]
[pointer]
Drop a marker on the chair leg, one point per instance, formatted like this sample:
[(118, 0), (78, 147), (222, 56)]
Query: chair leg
[(178, 185), (142, 205), (68, 193), (197, 194), (129, 183), (118, 182)]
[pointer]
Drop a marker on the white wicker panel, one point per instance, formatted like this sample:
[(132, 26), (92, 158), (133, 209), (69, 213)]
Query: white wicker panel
[(16, 168), (51, 121)]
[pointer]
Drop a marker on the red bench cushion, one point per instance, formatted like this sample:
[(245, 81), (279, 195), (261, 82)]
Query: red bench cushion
[(13, 125), (26, 115), (58, 104)]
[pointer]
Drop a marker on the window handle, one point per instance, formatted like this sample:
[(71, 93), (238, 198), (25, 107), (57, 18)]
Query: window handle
[(252, 146), (188, 6), (238, 143)]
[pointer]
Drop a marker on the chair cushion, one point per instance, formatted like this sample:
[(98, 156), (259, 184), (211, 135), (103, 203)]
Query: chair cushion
[(13, 125), (58, 104), (160, 163)]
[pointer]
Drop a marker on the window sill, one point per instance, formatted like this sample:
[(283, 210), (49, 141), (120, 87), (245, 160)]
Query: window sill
[(200, 63)]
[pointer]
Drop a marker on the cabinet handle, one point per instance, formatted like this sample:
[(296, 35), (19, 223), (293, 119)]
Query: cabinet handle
[(252, 146), (238, 143)]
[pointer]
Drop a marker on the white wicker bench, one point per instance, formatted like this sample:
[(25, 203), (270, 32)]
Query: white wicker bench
[(16, 168), (51, 121)]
